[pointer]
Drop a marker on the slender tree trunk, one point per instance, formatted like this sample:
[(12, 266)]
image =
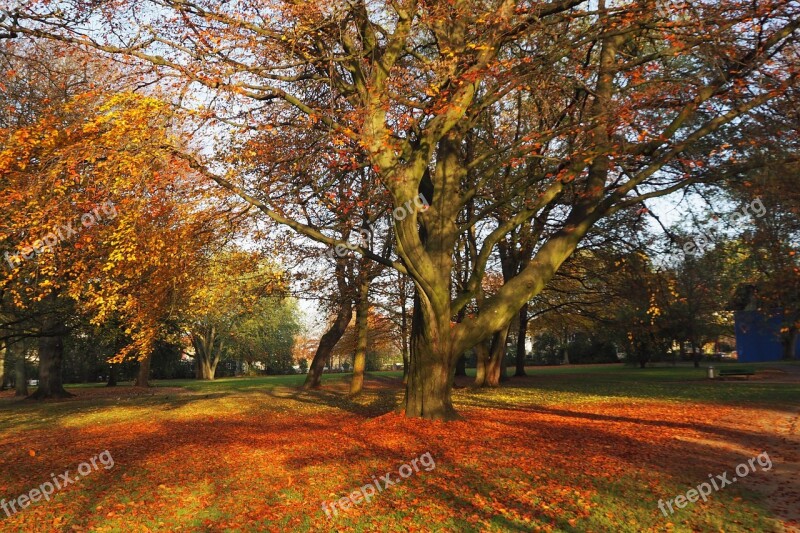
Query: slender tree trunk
[(482, 355), (494, 367), (20, 377), (566, 347), (695, 355), (51, 355), (3, 351), (790, 345), (143, 376), (522, 333), (405, 361), (362, 328), (404, 333), (326, 345)]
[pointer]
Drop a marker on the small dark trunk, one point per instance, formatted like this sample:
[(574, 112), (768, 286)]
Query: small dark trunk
[(461, 365), (695, 355), (20, 379), (112, 375), (51, 355), (326, 345), (790, 345), (143, 375), (521, 335)]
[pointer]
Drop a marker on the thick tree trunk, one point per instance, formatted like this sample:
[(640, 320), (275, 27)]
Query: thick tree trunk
[(362, 328), (326, 346), (206, 369), (430, 380), (20, 379), (51, 355), (206, 352), (143, 376), (522, 333)]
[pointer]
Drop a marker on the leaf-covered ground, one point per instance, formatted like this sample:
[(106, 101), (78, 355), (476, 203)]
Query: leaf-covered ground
[(553, 452)]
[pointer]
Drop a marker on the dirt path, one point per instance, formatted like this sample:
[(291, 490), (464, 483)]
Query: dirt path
[(776, 432)]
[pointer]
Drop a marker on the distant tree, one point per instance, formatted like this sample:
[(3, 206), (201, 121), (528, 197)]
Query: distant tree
[(267, 335)]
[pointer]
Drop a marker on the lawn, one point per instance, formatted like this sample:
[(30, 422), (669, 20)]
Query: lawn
[(565, 449)]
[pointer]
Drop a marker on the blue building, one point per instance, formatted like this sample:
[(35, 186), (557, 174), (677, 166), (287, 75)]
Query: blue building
[(758, 337)]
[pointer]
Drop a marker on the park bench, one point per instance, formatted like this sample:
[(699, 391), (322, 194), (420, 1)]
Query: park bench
[(736, 372)]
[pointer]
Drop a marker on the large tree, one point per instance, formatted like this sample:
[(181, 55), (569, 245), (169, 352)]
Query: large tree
[(99, 220), (616, 97)]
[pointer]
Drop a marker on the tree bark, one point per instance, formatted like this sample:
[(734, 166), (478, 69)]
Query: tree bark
[(206, 352), (522, 333), (482, 354), (143, 375), (494, 367), (51, 355), (362, 328), (326, 345), (405, 361), (430, 379), (404, 332)]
